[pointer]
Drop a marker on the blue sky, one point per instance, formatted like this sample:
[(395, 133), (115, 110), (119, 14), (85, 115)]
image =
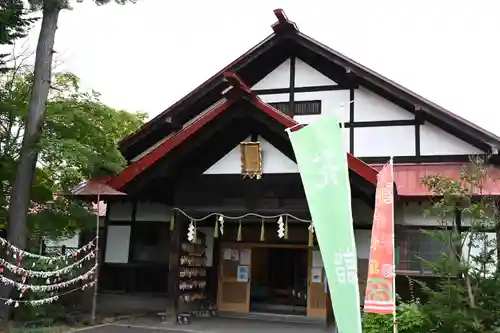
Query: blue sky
[(148, 55)]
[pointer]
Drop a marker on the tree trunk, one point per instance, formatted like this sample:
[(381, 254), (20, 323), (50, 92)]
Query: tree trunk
[(21, 189), (497, 244)]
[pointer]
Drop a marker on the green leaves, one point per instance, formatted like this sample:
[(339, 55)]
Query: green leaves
[(409, 317), (467, 293), (78, 141), (14, 24)]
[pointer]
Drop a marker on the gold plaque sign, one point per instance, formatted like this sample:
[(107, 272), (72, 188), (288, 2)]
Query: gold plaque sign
[(251, 160)]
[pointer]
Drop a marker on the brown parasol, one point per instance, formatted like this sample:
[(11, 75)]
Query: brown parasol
[(90, 190)]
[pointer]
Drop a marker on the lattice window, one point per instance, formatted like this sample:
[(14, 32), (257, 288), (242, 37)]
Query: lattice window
[(302, 108), (411, 245), (251, 160)]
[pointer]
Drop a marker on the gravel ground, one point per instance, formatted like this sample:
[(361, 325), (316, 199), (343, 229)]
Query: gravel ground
[(209, 326)]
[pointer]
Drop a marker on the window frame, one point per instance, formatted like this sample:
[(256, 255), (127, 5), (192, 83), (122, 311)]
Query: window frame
[(413, 265), (159, 229)]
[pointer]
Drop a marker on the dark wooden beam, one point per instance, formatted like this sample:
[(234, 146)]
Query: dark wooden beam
[(332, 87), (380, 123), (418, 122), (292, 86), (351, 120), (173, 124), (174, 266)]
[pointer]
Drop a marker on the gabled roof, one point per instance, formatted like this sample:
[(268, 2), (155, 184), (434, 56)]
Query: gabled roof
[(238, 91), (287, 31)]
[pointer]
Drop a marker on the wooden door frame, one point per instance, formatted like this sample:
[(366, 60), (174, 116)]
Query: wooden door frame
[(220, 289), (314, 312), (250, 246)]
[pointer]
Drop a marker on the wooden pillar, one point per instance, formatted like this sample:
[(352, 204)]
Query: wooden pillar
[(174, 266)]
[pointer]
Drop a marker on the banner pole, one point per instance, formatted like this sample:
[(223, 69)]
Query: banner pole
[(395, 321)]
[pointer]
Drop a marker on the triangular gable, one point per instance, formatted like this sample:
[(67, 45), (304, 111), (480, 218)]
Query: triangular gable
[(239, 90), (306, 76), (275, 79), (284, 29), (274, 161)]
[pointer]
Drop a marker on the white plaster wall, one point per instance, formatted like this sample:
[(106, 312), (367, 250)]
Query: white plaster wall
[(332, 102), (412, 214), (369, 106), (117, 244), (153, 212), (306, 76), (278, 78), (434, 141), (273, 161), (73, 242), (384, 141), (120, 211)]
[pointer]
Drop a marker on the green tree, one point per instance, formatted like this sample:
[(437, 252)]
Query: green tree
[(33, 124), (467, 296), (14, 24), (78, 142)]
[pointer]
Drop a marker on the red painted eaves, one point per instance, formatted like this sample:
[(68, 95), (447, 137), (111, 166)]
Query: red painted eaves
[(242, 90), (148, 160)]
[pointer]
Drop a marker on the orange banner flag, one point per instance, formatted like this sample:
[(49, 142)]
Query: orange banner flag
[(380, 286)]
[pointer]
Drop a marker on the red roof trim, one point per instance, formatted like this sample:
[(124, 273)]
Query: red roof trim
[(283, 22), (148, 160), (408, 177)]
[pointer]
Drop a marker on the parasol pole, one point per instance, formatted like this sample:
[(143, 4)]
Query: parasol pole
[(94, 296)]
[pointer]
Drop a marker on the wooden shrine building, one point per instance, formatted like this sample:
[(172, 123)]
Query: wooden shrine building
[(223, 149)]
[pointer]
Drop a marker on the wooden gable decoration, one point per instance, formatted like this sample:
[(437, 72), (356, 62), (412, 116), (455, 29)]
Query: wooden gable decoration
[(251, 160)]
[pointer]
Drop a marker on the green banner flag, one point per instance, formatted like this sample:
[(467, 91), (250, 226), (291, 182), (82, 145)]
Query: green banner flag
[(322, 160)]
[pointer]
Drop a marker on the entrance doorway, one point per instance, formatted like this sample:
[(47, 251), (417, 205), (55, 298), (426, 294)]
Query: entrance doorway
[(279, 280)]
